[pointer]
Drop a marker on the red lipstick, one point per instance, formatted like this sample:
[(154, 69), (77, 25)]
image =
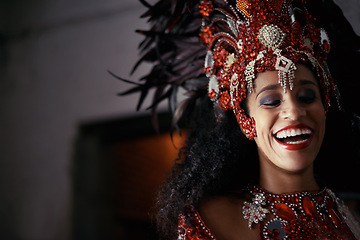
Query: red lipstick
[(295, 146)]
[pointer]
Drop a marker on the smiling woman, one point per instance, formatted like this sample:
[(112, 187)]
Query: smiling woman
[(290, 127), (258, 162)]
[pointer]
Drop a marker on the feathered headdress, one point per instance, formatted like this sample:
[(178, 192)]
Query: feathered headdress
[(216, 47)]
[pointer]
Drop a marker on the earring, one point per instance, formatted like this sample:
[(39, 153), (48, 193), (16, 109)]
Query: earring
[(248, 127)]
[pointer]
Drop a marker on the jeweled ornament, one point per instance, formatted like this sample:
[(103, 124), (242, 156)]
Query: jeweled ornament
[(261, 35), (301, 215), (254, 212), (271, 36)]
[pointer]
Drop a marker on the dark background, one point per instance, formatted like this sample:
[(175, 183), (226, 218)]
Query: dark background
[(57, 171)]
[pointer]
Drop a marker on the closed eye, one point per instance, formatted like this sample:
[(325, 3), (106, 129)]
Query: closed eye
[(270, 101), (307, 95)]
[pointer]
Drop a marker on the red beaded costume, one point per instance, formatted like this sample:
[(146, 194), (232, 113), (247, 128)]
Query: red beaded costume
[(216, 48), (300, 215)]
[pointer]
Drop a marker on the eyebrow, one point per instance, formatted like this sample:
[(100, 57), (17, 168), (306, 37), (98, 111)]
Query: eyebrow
[(277, 86), (269, 87), (304, 82)]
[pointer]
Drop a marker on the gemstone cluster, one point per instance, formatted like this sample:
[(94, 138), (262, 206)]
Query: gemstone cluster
[(254, 36)]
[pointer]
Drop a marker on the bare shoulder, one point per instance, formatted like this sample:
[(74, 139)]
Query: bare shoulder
[(223, 216)]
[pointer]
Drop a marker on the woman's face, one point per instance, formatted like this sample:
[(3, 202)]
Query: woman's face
[(290, 125)]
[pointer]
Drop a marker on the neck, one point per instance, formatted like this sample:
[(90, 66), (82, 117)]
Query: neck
[(284, 182)]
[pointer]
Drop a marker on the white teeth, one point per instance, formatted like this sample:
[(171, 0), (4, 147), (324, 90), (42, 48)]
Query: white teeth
[(292, 133), (297, 142), (305, 131)]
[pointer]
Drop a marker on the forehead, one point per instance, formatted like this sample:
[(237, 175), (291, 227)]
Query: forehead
[(267, 78)]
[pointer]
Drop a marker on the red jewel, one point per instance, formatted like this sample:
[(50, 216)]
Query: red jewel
[(206, 35), (212, 94), (326, 45), (308, 206), (206, 8), (284, 211), (333, 215), (246, 50)]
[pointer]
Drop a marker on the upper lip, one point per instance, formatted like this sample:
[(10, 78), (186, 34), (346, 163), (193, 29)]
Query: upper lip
[(293, 130)]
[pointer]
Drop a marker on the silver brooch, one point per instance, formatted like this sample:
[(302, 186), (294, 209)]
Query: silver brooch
[(271, 36), (254, 211)]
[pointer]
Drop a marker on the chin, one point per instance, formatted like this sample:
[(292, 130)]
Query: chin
[(296, 162)]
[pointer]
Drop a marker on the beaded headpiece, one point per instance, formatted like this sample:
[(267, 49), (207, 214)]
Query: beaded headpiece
[(236, 40), (253, 36)]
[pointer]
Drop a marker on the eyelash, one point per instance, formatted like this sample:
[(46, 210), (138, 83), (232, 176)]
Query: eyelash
[(270, 102), (306, 96)]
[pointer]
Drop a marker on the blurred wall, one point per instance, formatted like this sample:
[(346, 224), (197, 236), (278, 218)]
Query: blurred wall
[(54, 59)]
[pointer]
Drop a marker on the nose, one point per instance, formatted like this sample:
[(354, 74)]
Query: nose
[(292, 110)]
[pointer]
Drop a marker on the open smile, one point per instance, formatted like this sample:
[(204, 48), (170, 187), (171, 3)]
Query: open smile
[(294, 137)]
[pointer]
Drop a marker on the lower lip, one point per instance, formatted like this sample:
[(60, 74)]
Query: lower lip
[(298, 146)]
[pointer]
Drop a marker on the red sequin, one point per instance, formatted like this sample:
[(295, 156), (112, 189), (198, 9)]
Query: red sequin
[(240, 37), (206, 35), (206, 7), (316, 217)]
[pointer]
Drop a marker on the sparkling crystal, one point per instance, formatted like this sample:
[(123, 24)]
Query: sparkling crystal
[(271, 36)]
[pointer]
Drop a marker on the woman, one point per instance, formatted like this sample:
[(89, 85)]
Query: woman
[(253, 165)]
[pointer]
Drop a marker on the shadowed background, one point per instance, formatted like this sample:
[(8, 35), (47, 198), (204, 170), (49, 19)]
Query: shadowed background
[(55, 92)]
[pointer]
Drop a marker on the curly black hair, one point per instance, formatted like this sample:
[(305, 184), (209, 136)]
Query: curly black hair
[(218, 158), (214, 149)]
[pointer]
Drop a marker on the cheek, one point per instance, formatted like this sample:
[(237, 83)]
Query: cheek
[(323, 123), (318, 114), (264, 121)]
